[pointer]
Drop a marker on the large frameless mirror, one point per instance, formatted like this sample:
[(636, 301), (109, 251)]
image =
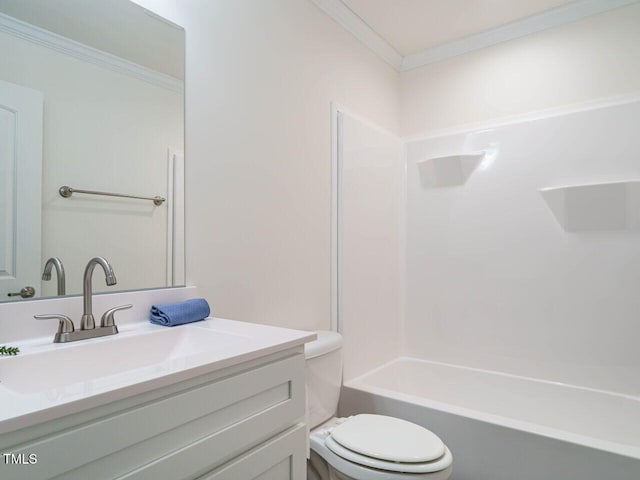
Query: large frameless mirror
[(91, 98)]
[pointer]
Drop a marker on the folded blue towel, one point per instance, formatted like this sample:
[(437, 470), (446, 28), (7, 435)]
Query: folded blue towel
[(179, 313)]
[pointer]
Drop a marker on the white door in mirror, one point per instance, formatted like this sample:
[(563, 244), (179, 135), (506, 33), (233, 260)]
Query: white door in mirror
[(20, 191)]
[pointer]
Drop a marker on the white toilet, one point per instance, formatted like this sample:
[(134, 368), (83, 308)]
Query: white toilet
[(362, 447)]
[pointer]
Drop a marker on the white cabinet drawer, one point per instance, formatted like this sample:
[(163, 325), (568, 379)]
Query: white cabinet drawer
[(282, 458), (197, 428)]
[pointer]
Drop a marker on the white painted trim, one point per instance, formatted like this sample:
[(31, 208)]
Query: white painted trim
[(339, 216), (527, 117), (404, 208), (179, 215), (337, 112), (363, 120), (78, 50), (359, 29), (554, 17), (170, 215), (334, 280), (175, 219)]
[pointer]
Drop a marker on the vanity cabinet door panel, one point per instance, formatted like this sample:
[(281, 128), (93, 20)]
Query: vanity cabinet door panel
[(281, 458), (181, 435)]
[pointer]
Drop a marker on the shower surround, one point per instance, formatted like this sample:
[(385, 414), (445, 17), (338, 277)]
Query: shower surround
[(518, 265)]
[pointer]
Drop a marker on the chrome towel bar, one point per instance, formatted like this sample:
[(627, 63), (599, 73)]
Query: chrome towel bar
[(67, 191)]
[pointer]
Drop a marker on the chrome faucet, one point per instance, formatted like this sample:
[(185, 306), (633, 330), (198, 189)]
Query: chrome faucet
[(46, 274), (87, 322), (66, 331)]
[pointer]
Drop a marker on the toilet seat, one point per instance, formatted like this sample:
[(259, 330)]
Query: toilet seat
[(389, 439), (389, 444), (425, 467)]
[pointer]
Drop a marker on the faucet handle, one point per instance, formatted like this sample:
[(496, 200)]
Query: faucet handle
[(65, 325), (107, 318)]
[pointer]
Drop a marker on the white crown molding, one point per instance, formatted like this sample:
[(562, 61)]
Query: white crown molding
[(78, 50), (359, 29), (554, 17)]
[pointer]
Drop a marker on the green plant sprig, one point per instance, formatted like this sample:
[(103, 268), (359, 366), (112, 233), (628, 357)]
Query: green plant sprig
[(4, 350)]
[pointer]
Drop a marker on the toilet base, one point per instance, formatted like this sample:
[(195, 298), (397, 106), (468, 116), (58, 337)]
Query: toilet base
[(318, 469)]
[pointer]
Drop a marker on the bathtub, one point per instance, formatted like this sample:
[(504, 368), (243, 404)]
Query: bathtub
[(505, 427)]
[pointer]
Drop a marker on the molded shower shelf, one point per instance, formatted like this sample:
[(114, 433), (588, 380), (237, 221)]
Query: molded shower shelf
[(448, 171), (595, 207)]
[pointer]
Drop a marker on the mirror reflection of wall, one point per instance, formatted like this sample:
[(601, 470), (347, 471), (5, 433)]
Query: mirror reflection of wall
[(111, 77)]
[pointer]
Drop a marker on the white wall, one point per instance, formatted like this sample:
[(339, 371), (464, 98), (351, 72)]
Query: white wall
[(260, 79), (371, 172), (84, 105), (592, 58)]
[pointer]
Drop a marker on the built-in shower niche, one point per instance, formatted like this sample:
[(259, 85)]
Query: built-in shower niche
[(612, 206), (449, 171)]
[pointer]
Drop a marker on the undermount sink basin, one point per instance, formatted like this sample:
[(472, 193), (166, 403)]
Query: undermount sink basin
[(100, 361)]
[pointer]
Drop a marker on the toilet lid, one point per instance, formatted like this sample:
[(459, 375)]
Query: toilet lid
[(402, 468), (389, 439)]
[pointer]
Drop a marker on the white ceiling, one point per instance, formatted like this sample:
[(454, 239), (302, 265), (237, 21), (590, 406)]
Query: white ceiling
[(412, 33), (413, 25)]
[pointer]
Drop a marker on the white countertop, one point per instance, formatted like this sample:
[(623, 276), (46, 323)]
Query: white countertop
[(48, 381)]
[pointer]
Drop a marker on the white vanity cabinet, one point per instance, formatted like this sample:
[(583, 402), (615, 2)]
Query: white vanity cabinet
[(241, 422)]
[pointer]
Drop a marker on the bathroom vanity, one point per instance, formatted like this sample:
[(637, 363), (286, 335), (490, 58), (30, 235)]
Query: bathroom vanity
[(216, 399)]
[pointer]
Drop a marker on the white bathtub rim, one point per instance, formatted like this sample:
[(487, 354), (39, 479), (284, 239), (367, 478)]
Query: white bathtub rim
[(557, 434), (626, 396)]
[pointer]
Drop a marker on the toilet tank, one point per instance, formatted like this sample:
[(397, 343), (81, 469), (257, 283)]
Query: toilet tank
[(324, 376)]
